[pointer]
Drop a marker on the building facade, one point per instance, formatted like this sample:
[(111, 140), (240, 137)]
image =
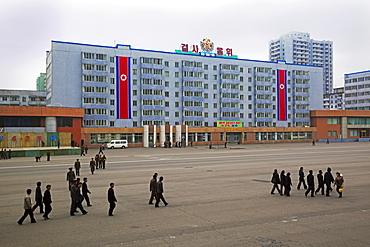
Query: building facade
[(357, 90), (41, 82), (299, 48), (124, 87), (342, 125), (22, 98), (335, 100)]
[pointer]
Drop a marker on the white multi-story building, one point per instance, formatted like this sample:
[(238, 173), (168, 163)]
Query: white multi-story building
[(357, 90), (22, 97), (299, 48), (124, 87)]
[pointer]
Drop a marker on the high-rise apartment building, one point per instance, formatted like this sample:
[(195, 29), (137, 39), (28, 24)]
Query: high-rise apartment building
[(299, 48), (41, 82)]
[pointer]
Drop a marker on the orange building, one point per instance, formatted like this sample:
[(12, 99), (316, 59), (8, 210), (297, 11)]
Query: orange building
[(341, 124), (30, 126)]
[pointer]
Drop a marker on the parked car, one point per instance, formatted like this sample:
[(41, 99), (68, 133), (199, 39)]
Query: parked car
[(117, 144)]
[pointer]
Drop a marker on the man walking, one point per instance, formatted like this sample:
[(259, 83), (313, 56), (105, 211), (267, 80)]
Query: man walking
[(320, 181), (328, 180), (275, 180), (82, 151), (86, 148), (288, 184), (38, 198), (111, 199), (301, 179), (85, 192), (311, 184), (77, 167), (282, 182), (92, 166), (48, 155), (103, 160), (153, 188), (160, 191), (72, 194), (47, 202), (70, 177), (27, 208), (79, 199)]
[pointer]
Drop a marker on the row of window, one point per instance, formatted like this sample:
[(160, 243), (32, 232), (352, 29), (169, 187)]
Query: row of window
[(24, 99)]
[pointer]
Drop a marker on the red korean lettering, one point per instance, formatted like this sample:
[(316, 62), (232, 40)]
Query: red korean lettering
[(184, 47), (229, 51)]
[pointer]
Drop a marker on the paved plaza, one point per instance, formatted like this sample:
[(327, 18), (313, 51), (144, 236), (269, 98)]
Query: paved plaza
[(217, 197)]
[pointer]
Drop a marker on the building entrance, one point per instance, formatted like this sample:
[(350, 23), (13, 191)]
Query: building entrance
[(233, 138)]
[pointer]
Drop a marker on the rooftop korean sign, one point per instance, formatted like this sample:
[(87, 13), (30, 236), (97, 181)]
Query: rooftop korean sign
[(226, 124), (206, 48)]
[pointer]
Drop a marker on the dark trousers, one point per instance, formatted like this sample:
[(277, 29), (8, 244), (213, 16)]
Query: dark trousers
[(103, 164), (321, 186), (281, 189), (328, 189), (152, 196), (112, 205), (276, 186), (72, 210), (92, 170), (48, 158), (159, 198), (310, 188), (26, 213), (77, 171), (86, 196), (340, 193), (39, 204), (301, 181), (287, 190), (79, 205), (47, 209)]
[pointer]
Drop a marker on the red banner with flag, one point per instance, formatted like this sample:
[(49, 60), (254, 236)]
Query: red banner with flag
[(123, 93), (282, 95)]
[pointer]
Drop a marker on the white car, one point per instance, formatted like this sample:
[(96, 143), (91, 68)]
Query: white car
[(117, 144)]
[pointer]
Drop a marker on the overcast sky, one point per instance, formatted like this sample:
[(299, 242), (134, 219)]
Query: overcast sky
[(28, 26)]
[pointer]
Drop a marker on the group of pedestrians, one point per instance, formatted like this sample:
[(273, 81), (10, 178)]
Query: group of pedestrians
[(156, 191), (40, 202), (5, 154), (328, 180)]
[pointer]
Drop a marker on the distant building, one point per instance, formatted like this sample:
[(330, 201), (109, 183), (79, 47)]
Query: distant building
[(334, 100), (22, 97), (299, 48), (357, 90), (41, 82)]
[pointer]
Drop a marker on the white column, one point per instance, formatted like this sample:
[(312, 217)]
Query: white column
[(146, 136), (154, 135), (163, 135), (186, 136), (178, 133), (171, 135), (51, 124)]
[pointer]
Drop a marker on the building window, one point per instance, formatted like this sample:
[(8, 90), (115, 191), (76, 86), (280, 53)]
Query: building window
[(111, 102), (215, 114), (214, 105), (111, 80), (134, 71), (134, 61), (134, 113), (111, 69), (134, 92), (214, 86), (176, 84), (332, 121), (111, 113), (166, 73), (111, 123), (353, 133), (214, 67), (167, 104), (176, 104), (166, 94), (177, 114), (176, 74), (206, 67), (134, 102), (215, 96), (214, 77), (166, 83), (176, 94), (205, 105), (166, 113)]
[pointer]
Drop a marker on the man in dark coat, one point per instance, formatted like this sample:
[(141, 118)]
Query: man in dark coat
[(288, 184), (320, 181), (282, 182), (160, 191), (47, 202), (275, 180), (79, 199), (77, 167), (48, 156), (70, 177), (311, 184), (328, 180), (301, 179), (38, 198), (92, 165), (153, 188), (111, 199), (85, 192)]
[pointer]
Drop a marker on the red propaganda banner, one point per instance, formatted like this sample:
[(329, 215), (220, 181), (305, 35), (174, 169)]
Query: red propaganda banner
[(123, 88), (282, 95)]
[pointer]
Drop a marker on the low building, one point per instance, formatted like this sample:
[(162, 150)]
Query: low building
[(22, 98), (341, 124), (34, 126)]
